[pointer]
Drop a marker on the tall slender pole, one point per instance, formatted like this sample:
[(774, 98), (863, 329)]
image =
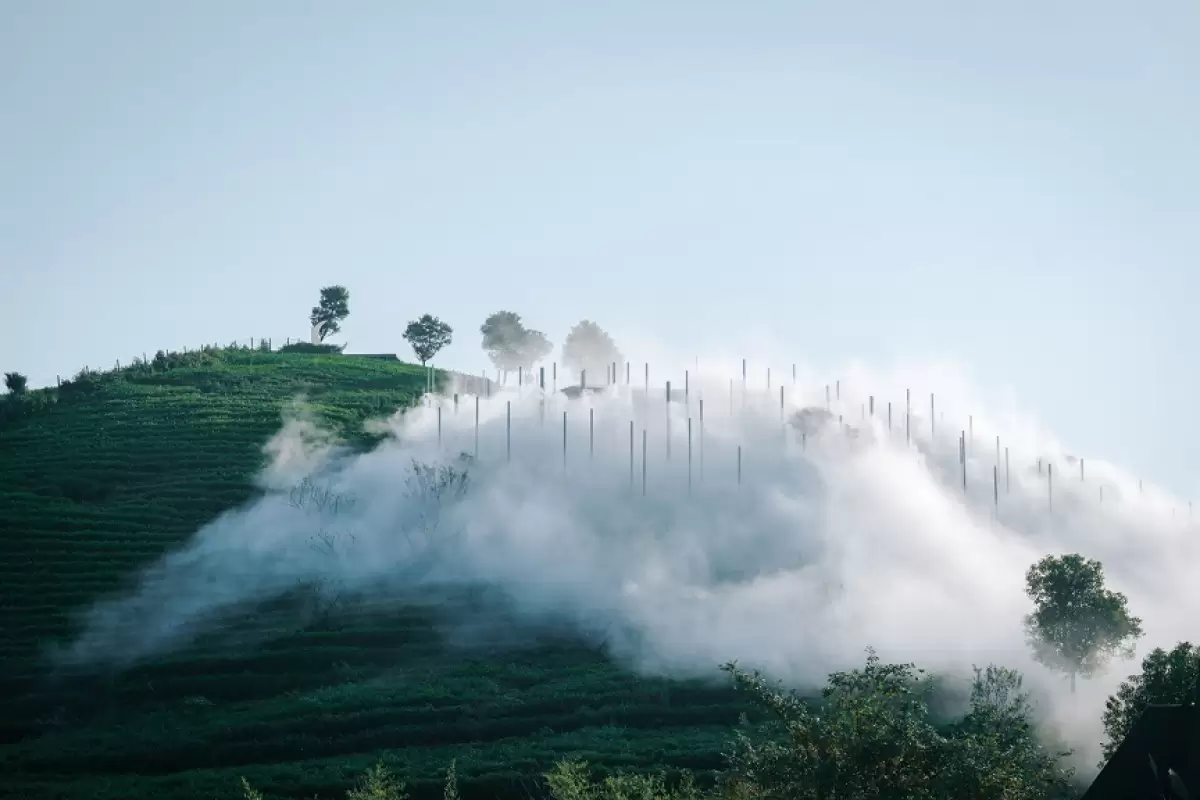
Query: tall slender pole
[(702, 440), (630, 455), (781, 403), (687, 389), (1081, 469), (793, 374), (553, 376), (827, 397), (768, 379), (996, 487), (689, 455), (591, 433), (871, 400), (889, 416), (838, 387), (647, 380), (668, 410), (1050, 487), (439, 409), (643, 462), (626, 373)]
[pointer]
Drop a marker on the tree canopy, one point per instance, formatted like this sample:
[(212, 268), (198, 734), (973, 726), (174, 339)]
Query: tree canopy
[(15, 382), (871, 736), (333, 307), (510, 345), (427, 336), (1167, 677), (1077, 625), (589, 347)]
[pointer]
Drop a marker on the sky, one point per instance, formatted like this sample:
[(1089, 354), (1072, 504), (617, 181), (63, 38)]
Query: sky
[(1013, 187)]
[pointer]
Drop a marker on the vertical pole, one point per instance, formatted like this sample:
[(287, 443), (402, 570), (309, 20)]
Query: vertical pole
[(456, 404), (838, 387), (554, 376), (542, 378), (1049, 487), (1081, 469), (439, 408), (907, 415), (997, 450), (626, 373), (591, 433), (508, 430), (582, 381), (476, 427), (1102, 499), (827, 397), (739, 483), (647, 379), (781, 403), (768, 379), (689, 455), (996, 488), (687, 389), (701, 439), (643, 462), (630, 455), (793, 374), (871, 400)]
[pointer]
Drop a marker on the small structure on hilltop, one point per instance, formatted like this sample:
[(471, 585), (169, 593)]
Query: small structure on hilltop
[(1159, 759)]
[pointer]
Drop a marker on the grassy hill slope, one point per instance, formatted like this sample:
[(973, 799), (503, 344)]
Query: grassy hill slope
[(125, 465)]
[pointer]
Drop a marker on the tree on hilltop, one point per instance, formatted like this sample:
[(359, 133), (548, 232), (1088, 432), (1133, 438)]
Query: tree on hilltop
[(327, 315), (427, 336), (589, 347), (1168, 677), (510, 345), (16, 383), (1077, 625)]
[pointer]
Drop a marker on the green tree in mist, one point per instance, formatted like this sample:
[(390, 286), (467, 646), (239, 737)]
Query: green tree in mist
[(510, 345), (589, 347), (1077, 625), (871, 736), (1168, 677), (427, 336), (16, 383), (333, 307)]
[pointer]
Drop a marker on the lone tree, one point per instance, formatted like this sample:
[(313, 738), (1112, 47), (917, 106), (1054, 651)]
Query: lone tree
[(16, 383), (427, 336), (1077, 625), (589, 347), (1168, 677), (509, 344), (327, 314)]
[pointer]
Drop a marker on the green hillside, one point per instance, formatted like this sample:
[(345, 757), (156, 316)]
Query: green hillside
[(106, 473)]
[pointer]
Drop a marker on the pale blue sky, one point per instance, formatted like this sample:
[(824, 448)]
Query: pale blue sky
[(1012, 184)]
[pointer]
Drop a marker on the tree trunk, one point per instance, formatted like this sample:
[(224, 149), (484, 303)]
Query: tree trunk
[(1072, 681)]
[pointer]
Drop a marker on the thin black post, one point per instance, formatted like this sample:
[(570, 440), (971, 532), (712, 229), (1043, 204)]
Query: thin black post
[(889, 416)]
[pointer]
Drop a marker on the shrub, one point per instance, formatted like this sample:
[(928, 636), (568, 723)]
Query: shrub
[(15, 382)]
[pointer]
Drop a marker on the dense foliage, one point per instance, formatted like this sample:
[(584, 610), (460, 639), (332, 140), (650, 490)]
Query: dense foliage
[(510, 345), (1077, 625), (427, 335), (1168, 677), (328, 314)]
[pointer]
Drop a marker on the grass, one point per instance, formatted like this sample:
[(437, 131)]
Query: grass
[(108, 472)]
